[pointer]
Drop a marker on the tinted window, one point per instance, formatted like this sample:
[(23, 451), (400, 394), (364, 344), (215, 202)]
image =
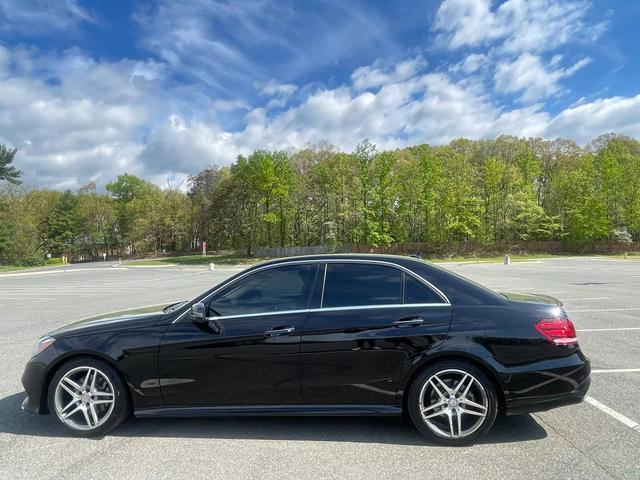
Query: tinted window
[(351, 284), (270, 290), (417, 292)]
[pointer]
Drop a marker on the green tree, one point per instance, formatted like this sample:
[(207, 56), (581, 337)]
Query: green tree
[(8, 172)]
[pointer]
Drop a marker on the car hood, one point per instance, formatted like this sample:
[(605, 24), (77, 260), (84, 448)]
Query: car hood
[(532, 298), (123, 319)]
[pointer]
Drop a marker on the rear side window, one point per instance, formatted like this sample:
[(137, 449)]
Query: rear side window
[(352, 284), (417, 292)]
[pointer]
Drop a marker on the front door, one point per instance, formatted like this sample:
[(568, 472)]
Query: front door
[(373, 320), (248, 354)]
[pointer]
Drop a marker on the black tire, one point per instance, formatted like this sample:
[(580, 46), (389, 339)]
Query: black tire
[(120, 411), (477, 427)]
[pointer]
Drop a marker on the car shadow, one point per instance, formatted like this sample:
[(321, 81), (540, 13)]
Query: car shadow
[(388, 430)]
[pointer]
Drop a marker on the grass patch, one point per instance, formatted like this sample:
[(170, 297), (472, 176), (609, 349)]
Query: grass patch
[(195, 260)]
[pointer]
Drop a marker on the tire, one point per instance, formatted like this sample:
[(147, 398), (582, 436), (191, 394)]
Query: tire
[(87, 397), (436, 410)]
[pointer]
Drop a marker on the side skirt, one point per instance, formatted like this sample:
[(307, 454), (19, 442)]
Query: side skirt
[(270, 410)]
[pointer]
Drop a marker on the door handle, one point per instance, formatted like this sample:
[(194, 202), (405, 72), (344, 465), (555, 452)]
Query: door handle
[(277, 332), (408, 322)]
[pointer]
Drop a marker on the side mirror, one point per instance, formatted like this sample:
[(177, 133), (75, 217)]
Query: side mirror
[(198, 313)]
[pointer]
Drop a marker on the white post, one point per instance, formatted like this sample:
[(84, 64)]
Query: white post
[(212, 267), (507, 259)]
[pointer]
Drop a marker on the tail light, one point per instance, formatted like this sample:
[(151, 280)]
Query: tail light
[(558, 330)]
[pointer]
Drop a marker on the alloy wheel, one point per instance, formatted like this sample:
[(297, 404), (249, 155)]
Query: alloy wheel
[(84, 398), (453, 403)]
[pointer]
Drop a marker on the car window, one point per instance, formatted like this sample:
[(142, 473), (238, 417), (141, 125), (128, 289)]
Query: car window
[(352, 284), (270, 290), (417, 292)]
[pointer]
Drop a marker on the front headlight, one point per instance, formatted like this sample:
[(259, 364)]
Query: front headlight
[(42, 344)]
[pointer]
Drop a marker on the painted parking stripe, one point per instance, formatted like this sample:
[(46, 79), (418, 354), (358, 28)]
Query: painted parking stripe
[(585, 298), (611, 412), (616, 370), (607, 310), (621, 329)]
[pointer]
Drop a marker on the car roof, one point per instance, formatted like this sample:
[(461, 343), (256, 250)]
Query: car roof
[(397, 259)]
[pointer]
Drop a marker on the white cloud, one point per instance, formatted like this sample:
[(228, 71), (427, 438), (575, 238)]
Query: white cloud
[(374, 76), (588, 120), (529, 75), (33, 16), (520, 25), (472, 63), (275, 88)]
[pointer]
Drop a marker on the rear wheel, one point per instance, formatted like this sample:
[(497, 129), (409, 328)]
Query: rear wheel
[(87, 396), (452, 402)]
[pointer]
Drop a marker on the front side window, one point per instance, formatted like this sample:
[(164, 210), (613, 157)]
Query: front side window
[(271, 290), (353, 284)]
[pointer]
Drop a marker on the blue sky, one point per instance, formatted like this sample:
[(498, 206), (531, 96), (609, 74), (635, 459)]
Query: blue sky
[(161, 88)]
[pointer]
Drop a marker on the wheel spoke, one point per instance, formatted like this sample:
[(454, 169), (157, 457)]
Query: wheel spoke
[(93, 380), (86, 417), (68, 390), (102, 402), (103, 394), (85, 382), (432, 406), (67, 415), (459, 417), (437, 390), (473, 404), (471, 412), (460, 383), (72, 402), (444, 385), (94, 414), (73, 384), (437, 414), (453, 435)]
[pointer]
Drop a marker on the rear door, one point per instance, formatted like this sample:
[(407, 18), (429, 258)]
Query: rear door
[(371, 320)]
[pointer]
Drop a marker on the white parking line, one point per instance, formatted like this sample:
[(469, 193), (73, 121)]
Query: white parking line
[(610, 411), (607, 310), (621, 329), (585, 298), (616, 370)]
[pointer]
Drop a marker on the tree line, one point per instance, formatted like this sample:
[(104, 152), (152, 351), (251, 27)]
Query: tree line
[(483, 191)]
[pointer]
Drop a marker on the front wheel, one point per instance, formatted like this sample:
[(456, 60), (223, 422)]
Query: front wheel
[(87, 397), (452, 403)]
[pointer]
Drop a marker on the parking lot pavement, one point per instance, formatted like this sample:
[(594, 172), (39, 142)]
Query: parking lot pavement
[(596, 439)]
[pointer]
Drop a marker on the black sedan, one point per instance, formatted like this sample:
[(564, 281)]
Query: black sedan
[(318, 335)]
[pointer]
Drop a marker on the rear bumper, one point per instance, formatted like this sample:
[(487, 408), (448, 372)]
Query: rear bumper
[(546, 385), (540, 404)]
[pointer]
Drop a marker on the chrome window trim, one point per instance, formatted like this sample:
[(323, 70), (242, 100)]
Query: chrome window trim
[(326, 261), (332, 309), (373, 307)]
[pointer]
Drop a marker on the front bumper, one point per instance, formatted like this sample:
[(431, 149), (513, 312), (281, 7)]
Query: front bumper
[(34, 381)]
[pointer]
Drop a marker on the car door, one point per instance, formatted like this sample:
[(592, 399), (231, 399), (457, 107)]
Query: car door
[(372, 320), (248, 353)]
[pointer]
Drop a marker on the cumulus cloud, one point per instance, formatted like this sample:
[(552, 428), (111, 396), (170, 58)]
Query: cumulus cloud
[(373, 76), (519, 25), (529, 75)]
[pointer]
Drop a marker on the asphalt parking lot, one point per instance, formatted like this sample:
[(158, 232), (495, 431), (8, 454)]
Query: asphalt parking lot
[(599, 438)]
